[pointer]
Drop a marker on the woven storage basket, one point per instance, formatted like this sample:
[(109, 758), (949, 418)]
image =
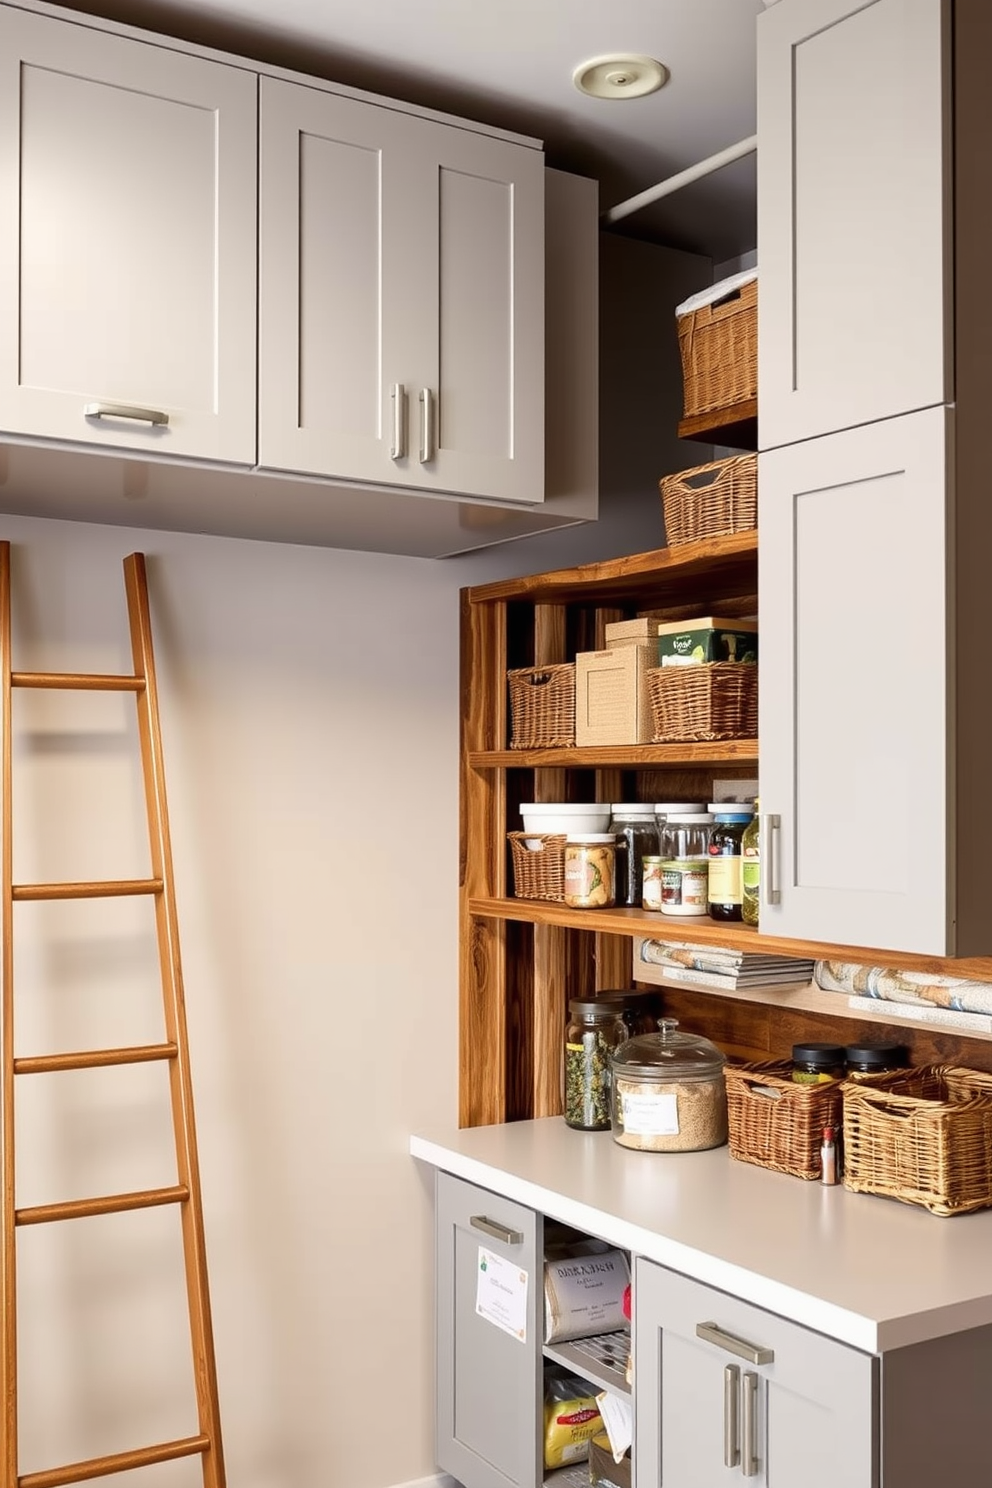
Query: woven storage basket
[(714, 700), (710, 500), (719, 347), (774, 1121), (921, 1135), (542, 706), (538, 872)]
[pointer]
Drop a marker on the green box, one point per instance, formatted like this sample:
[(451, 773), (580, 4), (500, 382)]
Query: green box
[(711, 638)]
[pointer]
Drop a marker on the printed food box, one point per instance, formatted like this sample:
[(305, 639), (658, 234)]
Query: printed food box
[(711, 638)]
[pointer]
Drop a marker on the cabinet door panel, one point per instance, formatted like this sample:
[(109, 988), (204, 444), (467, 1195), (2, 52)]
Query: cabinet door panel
[(853, 237), (853, 707), (488, 1382), (816, 1399), (127, 258)]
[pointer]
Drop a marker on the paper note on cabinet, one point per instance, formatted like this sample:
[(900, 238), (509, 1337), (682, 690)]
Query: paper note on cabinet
[(501, 1294)]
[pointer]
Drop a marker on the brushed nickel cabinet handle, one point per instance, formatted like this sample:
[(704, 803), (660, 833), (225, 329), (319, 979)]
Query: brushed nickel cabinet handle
[(731, 1428), (426, 426), (751, 1352), (498, 1231), (398, 396), (770, 882), (749, 1465), (125, 411)]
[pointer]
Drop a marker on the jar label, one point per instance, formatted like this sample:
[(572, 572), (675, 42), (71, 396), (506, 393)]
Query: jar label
[(651, 1115), (725, 880), (684, 885)]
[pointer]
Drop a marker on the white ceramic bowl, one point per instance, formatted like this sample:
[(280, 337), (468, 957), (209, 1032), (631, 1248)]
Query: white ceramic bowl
[(565, 816)]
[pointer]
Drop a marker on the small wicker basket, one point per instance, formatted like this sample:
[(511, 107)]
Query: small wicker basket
[(710, 500), (712, 700), (542, 706), (921, 1135), (719, 348), (777, 1123), (538, 872)]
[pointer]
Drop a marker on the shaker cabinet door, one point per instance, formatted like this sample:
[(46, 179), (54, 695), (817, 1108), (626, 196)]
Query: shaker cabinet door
[(856, 687), (127, 245), (728, 1394), (488, 1380), (853, 213)]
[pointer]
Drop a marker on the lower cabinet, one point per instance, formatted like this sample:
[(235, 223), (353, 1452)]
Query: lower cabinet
[(727, 1391)]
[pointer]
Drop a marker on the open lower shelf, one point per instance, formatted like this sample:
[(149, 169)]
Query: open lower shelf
[(601, 1359), (619, 756), (735, 426)]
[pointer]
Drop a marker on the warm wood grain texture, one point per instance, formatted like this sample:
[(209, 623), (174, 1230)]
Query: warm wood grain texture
[(548, 1012), (619, 756), (99, 1467), (736, 426)]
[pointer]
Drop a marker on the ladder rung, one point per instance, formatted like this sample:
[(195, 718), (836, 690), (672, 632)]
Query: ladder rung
[(96, 1467), (148, 1198), (77, 681), (45, 1064), (110, 889)]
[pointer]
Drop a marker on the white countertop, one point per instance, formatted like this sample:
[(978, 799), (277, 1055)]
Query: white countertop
[(872, 1272)]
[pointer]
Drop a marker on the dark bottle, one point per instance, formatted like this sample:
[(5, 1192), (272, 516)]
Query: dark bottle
[(636, 831), (726, 893)]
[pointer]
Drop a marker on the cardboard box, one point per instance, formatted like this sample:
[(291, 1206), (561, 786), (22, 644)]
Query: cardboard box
[(690, 642), (640, 632), (603, 1471), (611, 696)]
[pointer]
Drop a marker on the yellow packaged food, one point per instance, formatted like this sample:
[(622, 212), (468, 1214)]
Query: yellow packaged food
[(571, 1418)]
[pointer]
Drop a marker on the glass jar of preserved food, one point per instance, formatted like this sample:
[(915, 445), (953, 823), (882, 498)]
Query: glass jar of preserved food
[(751, 870), (668, 1092), (684, 850), (875, 1057), (725, 888), (593, 1031), (636, 834), (590, 873), (817, 1064)]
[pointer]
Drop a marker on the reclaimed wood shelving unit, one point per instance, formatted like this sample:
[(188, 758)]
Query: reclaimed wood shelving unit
[(520, 960)]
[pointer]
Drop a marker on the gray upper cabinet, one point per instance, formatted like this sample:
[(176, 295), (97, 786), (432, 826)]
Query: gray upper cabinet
[(401, 298), (127, 258), (854, 191)]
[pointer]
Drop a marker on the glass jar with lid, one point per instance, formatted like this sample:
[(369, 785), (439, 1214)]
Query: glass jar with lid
[(684, 849), (725, 886), (636, 832), (593, 1031), (875, 1057), (818, 1063), (668, 1092), (590, 870), (639, 1007)]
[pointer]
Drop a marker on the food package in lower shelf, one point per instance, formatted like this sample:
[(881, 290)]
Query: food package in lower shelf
[(571, 1418), (583, 1295), (604, 1470)]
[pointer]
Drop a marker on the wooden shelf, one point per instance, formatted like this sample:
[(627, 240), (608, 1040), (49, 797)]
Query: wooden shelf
[(704, 931), (619, 756), (736, 426)]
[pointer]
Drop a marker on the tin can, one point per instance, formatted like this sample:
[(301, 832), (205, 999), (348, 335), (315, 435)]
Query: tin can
[(685, 886), (651, 882)]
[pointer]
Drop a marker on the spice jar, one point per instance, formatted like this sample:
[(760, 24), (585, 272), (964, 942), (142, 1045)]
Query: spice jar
[(594, 1030), (684, 851), (725, 886), (590, 871), (818, 1064), (875, 1058), (668, 1092), (636, 834)]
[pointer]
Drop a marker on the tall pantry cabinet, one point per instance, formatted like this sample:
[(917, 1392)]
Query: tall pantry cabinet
[(873, 510)]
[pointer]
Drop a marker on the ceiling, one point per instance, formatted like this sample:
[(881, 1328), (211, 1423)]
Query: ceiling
[(510, 62)]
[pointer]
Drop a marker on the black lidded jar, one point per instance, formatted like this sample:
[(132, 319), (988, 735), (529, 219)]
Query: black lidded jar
[(816, 1063), (876, 1057), (639, 1007)]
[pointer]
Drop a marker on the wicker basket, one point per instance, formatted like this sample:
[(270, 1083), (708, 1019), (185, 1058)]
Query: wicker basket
[(777, 1123), (921, 1135), (542, 706), (538, 872), (714, 700), (710, 500), (719, 347)]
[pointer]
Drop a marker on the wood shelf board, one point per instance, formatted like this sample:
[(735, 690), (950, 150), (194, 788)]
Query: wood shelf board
[(736, 426), (705, 931), (619, 756), (637, 577)]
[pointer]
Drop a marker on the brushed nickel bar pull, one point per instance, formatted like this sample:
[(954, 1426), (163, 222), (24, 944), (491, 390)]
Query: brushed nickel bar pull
[(770, 884), (125, 411), (713, 1333), (731, 1426), (498, 1231), (397, 449), (427, 450), (749, 1465)]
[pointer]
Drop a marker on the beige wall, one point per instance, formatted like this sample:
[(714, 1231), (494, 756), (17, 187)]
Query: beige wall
[(309, 712)]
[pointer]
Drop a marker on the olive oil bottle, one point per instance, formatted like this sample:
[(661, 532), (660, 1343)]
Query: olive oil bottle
[(751, 869)]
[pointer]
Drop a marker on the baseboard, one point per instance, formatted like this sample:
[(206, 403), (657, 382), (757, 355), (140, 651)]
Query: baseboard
[(439, 1480)]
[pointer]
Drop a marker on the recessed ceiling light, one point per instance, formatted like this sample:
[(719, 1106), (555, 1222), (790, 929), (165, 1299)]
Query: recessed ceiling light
[(620, 75)]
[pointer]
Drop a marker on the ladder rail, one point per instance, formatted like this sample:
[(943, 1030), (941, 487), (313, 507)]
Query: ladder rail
[(8, 1256)]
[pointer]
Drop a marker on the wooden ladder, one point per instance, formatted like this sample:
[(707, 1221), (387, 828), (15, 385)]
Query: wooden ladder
[(186, 1192)]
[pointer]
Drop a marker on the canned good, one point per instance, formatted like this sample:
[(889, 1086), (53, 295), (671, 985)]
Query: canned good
[(651, 882), (685, 886)]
